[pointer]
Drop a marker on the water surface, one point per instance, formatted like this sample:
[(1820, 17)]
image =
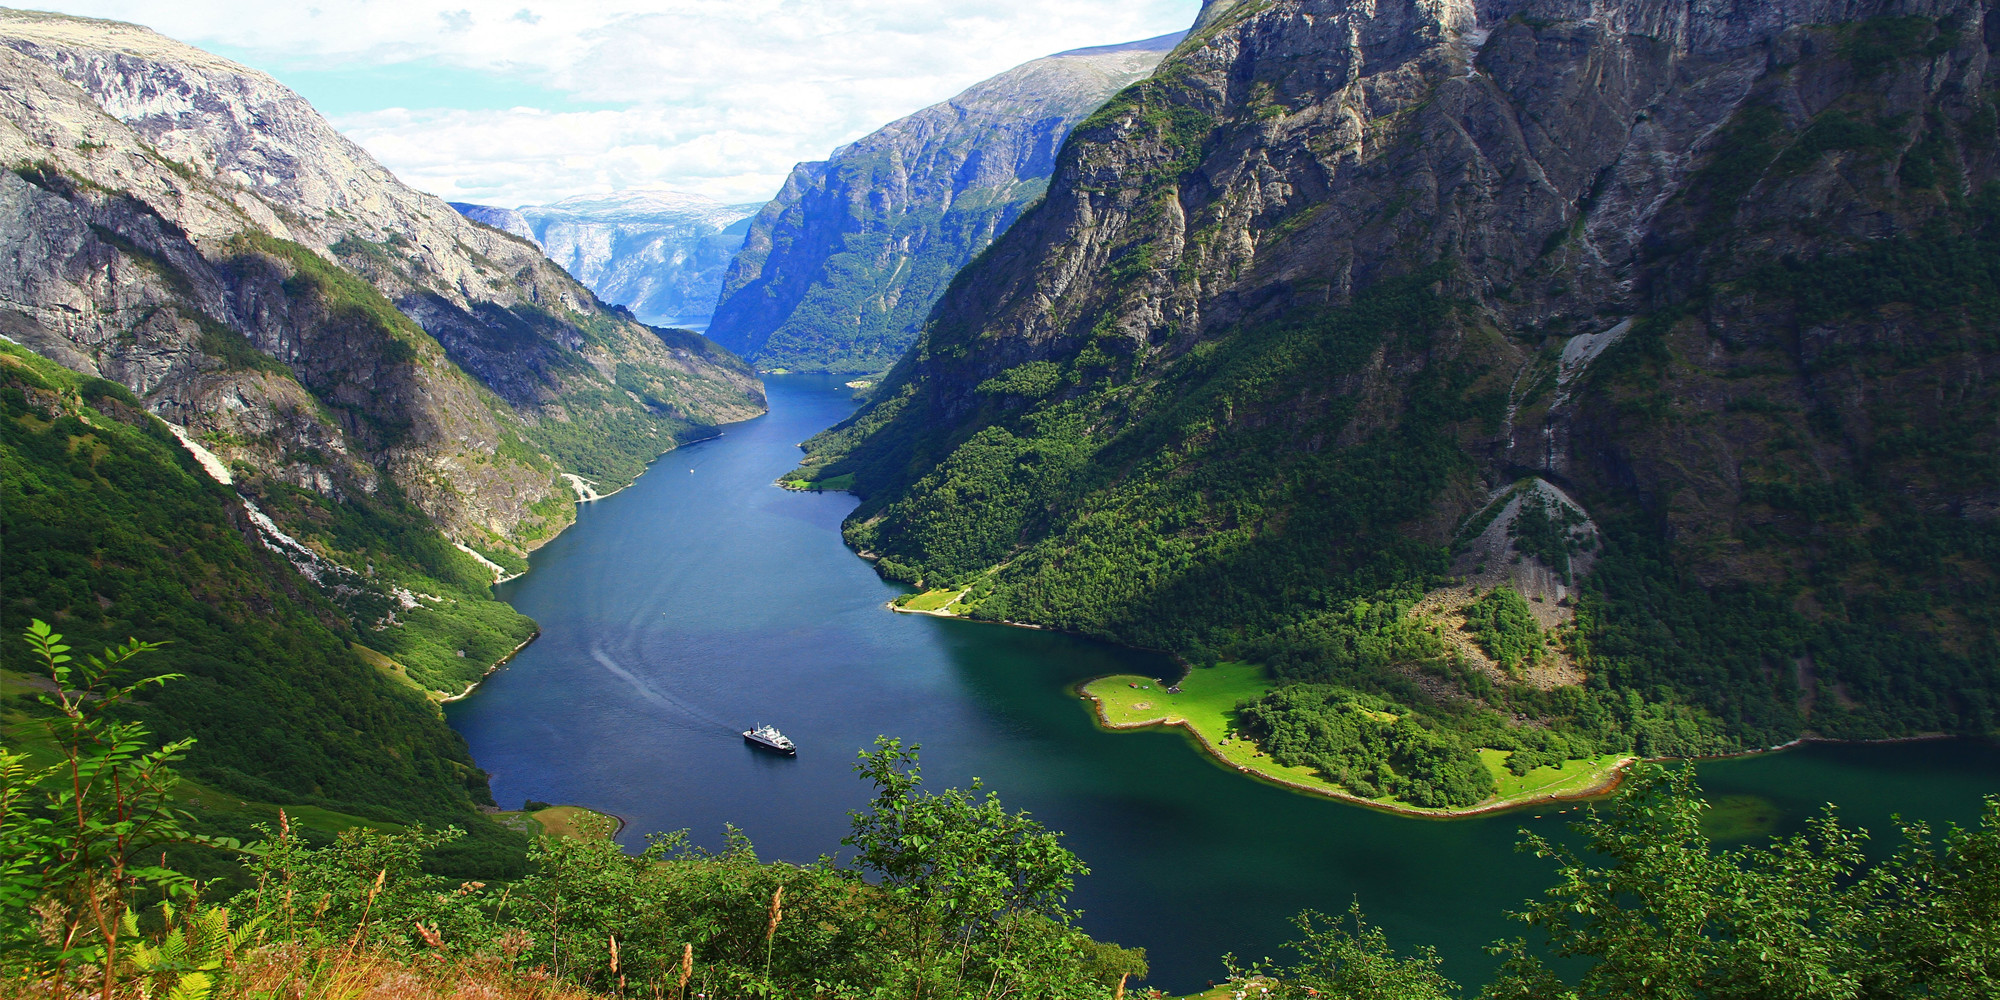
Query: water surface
[(705, 600)]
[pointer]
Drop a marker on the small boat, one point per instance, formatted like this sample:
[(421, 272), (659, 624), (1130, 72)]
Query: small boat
[(768, 738)]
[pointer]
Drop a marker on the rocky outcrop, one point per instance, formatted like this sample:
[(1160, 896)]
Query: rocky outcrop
[(661, 254), (839, 271), (1340, 271), (190, 228)]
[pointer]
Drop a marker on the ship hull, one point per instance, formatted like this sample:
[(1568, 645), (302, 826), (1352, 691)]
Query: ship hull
[(767, 746)]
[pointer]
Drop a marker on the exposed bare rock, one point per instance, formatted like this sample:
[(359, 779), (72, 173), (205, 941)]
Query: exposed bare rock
[(839, 271), (190, 228), (1716, 276)]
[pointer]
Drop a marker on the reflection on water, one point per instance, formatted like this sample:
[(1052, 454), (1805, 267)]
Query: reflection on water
[(1734, 818), (704, 601)]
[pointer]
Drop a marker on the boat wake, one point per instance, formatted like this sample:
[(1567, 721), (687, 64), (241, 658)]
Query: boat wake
[(655, 695)]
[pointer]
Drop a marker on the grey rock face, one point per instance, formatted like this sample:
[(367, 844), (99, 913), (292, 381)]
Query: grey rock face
[(838, 272), (661, 254), (192, 229), (507, 220), (1583, 184)]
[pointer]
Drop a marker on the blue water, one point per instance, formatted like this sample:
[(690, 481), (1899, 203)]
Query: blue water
[(705, 600)]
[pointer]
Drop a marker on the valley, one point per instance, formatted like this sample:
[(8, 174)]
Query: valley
[(1521, 474)]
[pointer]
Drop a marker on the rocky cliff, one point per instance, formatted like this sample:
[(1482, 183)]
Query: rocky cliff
[(370, 367), (1306, 316), (661, 254), (839, 271)]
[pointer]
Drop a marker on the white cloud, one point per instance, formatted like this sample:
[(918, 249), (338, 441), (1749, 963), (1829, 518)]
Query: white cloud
[(720, 97)]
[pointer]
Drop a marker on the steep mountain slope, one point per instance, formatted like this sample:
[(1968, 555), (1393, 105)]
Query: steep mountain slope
[(661, 254), (1302, 315), (394, 395), (839, 271), (111, 529)]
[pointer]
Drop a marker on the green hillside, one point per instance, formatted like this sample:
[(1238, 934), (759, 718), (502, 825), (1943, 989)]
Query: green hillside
[(110, 530), (1782, 427)]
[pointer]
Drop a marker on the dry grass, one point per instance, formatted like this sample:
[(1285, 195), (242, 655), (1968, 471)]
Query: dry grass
[(287, 972), (290, 972)]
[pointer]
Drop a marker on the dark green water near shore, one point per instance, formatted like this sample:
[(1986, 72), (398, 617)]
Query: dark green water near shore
[(704, 600)]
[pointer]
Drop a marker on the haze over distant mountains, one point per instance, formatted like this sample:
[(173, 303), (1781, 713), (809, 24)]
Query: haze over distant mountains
[(659, 253)]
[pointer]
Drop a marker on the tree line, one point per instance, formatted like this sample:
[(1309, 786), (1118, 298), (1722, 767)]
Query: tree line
[(946, 895)]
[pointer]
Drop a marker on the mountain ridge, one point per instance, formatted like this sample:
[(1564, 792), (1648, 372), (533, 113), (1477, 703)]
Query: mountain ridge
[(840, 269), (658, 252), (1303, 310), (392, 394)]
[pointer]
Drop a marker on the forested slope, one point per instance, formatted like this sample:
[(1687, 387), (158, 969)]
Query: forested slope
[(112, 529), (1305, 314), (393, 386), (390, 398)]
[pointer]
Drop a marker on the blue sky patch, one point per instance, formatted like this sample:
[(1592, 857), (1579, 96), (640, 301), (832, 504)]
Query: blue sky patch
[(417, 84)]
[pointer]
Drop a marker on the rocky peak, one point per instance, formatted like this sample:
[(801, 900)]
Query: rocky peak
[(839, 271), (1693, 267), (192, 229), (507, 220)]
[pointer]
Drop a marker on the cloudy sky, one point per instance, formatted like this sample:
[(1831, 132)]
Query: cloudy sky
[(529, 101)]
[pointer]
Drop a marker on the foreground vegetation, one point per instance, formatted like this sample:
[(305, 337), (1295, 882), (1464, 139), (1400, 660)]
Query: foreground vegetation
[(111, 530), (947, 895)]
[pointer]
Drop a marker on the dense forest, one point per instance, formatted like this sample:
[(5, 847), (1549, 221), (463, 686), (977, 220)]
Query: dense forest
[(945, 894), (1786, 452), (111, 530)]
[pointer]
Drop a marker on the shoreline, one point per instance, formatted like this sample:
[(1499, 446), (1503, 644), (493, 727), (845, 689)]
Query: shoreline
[(1214, 755), (583, 486), (573, 479), (488, 672), (1801, 741), (944, 612), (1609, 786)]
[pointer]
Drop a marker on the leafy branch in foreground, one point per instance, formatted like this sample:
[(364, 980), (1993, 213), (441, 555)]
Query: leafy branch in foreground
[(1803, 918), (980, 889), (77, 836)]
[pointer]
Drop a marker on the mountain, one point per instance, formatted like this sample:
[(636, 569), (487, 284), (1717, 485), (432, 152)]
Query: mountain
[(1628, 368), (397, 400), (507, 220), (839, 271), (111, 528), (659, 253)]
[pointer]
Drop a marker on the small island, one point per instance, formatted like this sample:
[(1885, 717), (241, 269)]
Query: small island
[(1205, 705)]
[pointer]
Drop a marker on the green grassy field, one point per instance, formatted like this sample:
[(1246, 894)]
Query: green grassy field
[(835, 484), (576, 822), (930, 600), (1206, 705), (1574, 778)]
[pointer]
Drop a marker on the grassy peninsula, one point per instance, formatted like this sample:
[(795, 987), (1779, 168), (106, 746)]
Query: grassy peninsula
[(1206, 706)]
